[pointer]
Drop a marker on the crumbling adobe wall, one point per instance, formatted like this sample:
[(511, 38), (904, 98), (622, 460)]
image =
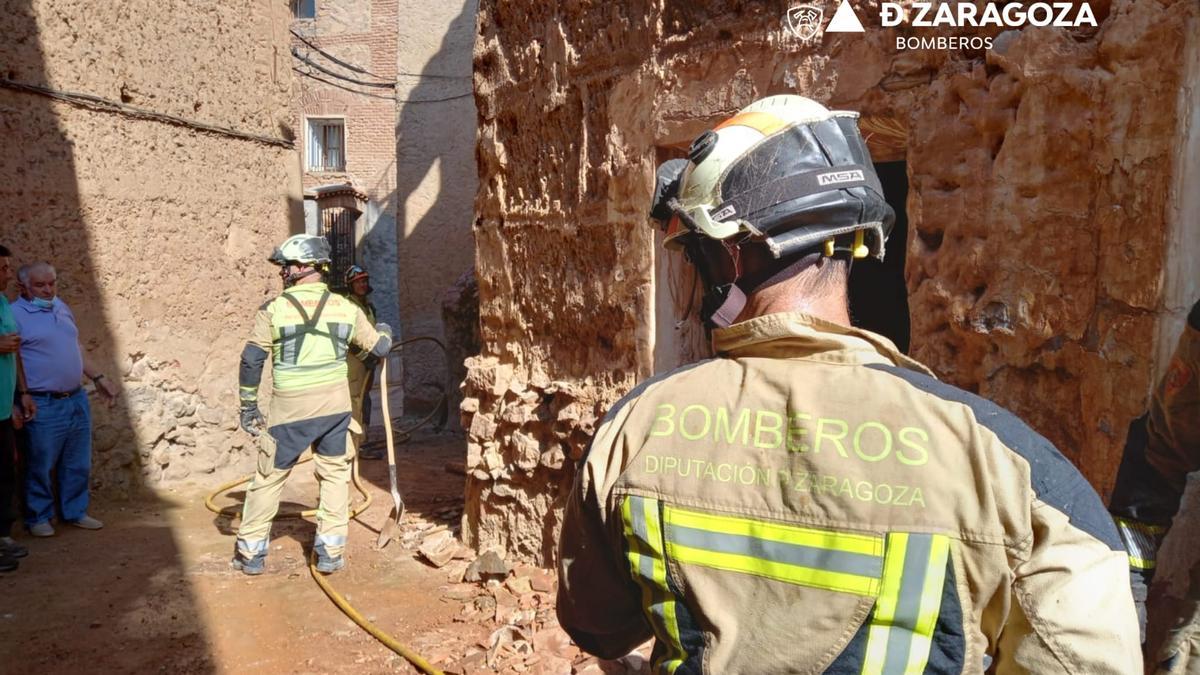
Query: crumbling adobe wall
[(1040, 183), (159, 232)]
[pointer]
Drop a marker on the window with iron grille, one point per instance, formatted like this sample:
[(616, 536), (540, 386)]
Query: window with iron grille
[(339, 225), (326, 145), (304, 9)]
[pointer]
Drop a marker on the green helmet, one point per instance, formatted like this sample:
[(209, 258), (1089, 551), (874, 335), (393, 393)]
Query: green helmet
[(307, 249)]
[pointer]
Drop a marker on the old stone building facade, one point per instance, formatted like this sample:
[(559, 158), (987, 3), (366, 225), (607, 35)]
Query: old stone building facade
[(408, 149), (1051, 232), (159, 229), (344, 57)]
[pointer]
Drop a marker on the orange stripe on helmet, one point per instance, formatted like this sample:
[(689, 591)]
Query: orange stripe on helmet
[(764, 123)]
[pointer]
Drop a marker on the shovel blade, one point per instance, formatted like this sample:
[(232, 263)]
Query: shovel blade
[(388, 532)]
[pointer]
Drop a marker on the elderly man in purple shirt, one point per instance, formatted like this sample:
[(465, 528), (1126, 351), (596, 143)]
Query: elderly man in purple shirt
[(60, 435)]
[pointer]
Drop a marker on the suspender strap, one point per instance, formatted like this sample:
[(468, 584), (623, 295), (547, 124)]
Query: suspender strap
[(292, 337), (310, 324)]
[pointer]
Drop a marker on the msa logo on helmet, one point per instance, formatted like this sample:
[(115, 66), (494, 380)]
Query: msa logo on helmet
[(838, 177)]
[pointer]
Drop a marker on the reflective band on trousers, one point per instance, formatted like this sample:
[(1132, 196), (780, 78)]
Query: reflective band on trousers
[(1141, 542), (905, 615), (835, 561), (644, 536)]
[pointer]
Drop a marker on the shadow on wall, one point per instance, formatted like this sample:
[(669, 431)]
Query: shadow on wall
[(104, 580), (435, 196), (377, 253)]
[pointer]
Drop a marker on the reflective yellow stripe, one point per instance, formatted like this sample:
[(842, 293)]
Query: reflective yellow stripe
[(836, 561), (1137, 525), (930, 604), (1141, 542), (885, 607), (900, 634), (803, 536), (1142, 563), (643, 532), (669, 620), (804, 576)]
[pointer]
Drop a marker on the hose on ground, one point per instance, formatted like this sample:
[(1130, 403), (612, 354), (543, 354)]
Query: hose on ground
[(355, 616), (235, 509)]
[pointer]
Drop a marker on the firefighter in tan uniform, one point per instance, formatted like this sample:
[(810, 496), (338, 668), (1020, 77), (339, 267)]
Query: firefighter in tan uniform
[(360, 365), (306, 331), (811, 500), (1162, 448)]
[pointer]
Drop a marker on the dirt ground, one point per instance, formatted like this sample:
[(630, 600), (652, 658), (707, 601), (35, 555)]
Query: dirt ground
[(153, 591)]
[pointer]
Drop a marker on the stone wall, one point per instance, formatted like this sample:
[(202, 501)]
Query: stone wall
[(159, 231), (436, 181), (1041, 195)]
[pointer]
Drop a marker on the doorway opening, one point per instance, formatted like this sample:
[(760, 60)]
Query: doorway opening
[(878, 294)]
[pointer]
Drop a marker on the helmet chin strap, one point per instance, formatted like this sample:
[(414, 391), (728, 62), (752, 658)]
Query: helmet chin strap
[(290, 279), (724, 298), (724, 302)]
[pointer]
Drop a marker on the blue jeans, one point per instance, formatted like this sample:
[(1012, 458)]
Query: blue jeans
[(60, 436)]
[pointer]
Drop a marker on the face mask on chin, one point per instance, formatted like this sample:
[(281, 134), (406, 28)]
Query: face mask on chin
[(43, 303)]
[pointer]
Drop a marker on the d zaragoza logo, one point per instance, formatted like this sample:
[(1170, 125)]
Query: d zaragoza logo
[(804, 21), (965, 14)]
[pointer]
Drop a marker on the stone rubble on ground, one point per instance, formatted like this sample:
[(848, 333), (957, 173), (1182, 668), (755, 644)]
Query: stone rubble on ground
[(506, 621), (514, 607)]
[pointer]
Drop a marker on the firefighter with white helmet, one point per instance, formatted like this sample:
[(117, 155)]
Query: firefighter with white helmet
[(811, 500), (306, 331)]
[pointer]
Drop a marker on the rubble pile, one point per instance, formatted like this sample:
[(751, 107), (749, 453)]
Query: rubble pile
[(506, 622)]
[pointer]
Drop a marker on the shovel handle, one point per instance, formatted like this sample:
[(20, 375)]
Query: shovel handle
[(387, 416), (391, 444)]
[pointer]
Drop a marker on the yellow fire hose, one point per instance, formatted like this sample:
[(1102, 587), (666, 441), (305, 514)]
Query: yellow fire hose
[(231, 511)]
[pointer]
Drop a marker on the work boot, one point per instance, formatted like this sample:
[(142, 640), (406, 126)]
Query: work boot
[(9, 547), (8, 563), (42, 529), (327, 564), (88, 523), (252, 567)]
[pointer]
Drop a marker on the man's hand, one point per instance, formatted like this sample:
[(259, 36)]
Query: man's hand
[(252, 420), (107, 389), (383, 329), (27, 407), (10, 342)]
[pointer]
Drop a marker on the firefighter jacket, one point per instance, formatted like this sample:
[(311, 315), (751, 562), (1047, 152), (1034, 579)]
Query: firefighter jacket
[(1161, 449), (361, 362), (813, 501), (307, 331)]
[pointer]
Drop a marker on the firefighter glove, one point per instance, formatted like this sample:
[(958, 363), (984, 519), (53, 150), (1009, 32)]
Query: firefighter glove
[(251, 419)]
